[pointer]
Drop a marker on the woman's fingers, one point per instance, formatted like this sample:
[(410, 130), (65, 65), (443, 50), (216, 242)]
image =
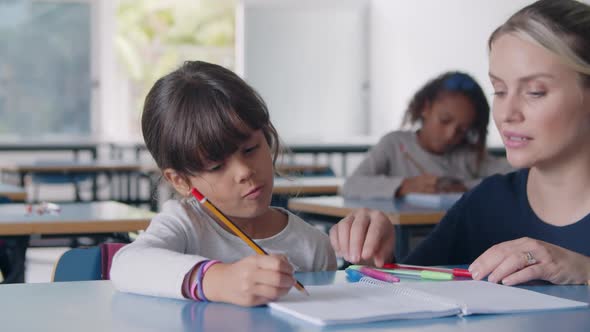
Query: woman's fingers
[(358, 235), (334, 235), (380, 240), (532, 272), (512, 263), (493, 257), (364, 235)]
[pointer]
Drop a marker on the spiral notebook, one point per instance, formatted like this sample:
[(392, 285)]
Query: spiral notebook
[(370, 300)]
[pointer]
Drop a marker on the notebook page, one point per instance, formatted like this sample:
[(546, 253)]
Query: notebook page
[(481, 297), (359, 303), (438, 201)]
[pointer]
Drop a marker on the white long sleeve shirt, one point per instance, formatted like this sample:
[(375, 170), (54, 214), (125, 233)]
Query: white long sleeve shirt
[(182, 235)]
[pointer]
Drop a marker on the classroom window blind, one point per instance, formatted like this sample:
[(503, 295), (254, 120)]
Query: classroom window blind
[(45, 68)]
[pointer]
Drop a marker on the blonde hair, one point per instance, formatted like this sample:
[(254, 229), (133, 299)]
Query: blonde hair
[(561, 27)]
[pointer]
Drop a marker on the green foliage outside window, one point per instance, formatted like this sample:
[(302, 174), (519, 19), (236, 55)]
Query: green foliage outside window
[(154, 37)]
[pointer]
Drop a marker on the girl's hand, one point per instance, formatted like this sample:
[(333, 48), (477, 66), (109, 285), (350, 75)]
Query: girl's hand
[(524, 259), (446, 184), (418, 184), (251, 281), (364, 237)]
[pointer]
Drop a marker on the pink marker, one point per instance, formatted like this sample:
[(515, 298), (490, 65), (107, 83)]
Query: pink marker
[(379, 275)]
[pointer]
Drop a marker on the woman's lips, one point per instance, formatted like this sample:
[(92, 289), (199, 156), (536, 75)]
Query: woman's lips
[(515, 140)]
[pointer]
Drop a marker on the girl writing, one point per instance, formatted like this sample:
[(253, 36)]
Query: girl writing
[(207, 129)]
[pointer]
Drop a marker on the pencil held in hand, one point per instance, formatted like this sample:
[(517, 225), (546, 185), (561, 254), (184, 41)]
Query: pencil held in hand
[(236, 230), (408, 156)]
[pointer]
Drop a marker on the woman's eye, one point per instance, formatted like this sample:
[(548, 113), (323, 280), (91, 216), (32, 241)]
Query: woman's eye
[(536, 94), (499, 93)]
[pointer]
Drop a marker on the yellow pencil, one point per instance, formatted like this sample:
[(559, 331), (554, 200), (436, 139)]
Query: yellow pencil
[(237, 231)]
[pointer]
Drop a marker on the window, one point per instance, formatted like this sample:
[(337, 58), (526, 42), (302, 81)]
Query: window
[(155, 37), (45, 68)]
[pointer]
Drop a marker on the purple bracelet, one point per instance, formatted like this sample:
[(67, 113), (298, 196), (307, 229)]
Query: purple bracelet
[(200, 276), (195, 285), (186, 283)]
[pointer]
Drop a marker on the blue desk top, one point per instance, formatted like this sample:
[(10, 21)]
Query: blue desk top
[(97, 306)]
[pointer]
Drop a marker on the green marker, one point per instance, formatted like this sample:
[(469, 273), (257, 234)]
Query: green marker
[(424, 274)]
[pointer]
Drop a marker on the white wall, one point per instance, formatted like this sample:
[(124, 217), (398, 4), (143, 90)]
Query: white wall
[(303, 73), (414, 41), (309, 61)]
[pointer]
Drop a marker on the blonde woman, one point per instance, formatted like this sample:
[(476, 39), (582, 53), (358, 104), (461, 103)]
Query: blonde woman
[(533, 223)]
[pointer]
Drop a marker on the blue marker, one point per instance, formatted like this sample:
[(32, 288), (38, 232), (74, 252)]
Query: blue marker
[(353, 275)]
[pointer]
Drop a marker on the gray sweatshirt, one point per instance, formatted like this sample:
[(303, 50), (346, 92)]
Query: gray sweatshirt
[(381, 173), (182, 235)]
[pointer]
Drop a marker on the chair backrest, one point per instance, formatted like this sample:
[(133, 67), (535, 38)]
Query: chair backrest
[(108, 251), (80, 264)]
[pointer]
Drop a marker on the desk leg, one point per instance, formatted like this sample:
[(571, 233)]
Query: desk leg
[(128, 193), (12, 259), (95, 187), (21, 178)]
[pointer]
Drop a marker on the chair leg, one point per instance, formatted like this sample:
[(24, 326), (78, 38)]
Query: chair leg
[(36, 192), (77, 191)]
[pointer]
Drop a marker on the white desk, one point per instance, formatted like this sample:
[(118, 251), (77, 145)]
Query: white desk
[(96, 306)]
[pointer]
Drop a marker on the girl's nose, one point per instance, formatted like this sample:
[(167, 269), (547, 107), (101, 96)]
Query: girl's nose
[(243, 170)]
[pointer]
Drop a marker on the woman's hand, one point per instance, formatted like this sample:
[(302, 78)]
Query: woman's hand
[(524, 259), (251, 281), (418, 184), (364, 237)]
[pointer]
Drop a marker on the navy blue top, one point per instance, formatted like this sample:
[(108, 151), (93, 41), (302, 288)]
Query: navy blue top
[(495, 211)]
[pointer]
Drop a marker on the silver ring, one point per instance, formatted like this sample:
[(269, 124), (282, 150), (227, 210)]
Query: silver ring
[(530, 259)]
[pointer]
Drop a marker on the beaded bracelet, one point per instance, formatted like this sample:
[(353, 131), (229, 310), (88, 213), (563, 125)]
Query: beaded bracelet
[(203, 270)]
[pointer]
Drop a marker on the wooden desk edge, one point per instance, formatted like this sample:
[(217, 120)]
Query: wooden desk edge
[(73, 168), (405, 219), (15, 197), (303, 189), (72, 227)]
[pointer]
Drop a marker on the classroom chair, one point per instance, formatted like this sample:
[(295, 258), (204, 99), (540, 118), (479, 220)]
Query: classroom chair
[(81, 264)]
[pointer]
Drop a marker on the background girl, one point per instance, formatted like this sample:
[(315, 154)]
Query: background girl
[(451, 112)]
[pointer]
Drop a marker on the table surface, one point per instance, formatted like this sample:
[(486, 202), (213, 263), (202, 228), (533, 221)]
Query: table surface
[(70, 166), (74, 218), (97, 306), (399, 213), (326, 185), (41, 145)]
